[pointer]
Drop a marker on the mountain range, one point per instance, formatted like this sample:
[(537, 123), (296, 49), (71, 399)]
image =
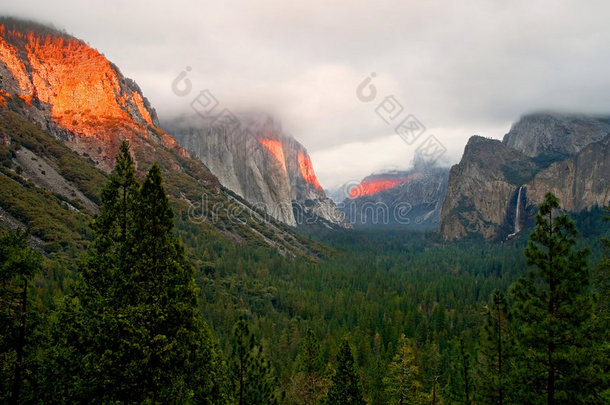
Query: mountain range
[(409, 199), (64, 109), (260, 162), (495, 188)]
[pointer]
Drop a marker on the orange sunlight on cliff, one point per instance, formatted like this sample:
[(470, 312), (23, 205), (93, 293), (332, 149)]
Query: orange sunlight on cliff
[(373, 186), (276, 149), (307, 170), (81, 86)]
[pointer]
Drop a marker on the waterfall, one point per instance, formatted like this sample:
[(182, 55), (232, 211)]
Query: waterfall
[(517, 215)]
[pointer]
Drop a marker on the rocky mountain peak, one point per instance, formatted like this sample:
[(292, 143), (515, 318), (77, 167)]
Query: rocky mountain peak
[(495, 188), (74, 91), (259, 161), (554, 136)]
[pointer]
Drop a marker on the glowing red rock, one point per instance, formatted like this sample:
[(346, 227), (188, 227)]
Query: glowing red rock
[(139, 102), (8, 53), (373, 186), (307, 170), (85, 92), (276, 149)]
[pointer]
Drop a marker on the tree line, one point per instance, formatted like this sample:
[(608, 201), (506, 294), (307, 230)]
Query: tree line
[(131, 328)]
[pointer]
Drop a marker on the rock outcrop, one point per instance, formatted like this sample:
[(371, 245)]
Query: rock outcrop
[(550, 137), (402, 199), (258, 161), (567, 155), (481, 188), (55, 85), (580, 181)]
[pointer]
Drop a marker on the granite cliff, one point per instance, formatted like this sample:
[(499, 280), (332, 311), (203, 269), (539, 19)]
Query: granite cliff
[(258, 161), (405, 199), (55, 88), (495, 188)]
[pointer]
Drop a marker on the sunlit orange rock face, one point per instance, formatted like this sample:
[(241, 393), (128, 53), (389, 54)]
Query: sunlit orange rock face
[(276, 149), (373, 186), (307, 170), (84, 92)]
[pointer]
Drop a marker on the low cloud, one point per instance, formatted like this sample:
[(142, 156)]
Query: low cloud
[(460, 67)]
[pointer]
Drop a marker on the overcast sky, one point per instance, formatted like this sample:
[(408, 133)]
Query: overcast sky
[(461, 68)]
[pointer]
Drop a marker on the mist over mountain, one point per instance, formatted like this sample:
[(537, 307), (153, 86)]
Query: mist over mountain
[(256, 159), (74, 95), (198, 259), (565, 154)]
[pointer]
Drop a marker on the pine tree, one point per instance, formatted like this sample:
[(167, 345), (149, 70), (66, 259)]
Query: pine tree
[(459, 383), (403, 381), (377, 375), (18, 262), (132, 331), (251, 373), (432, 368), (602, 276), (602, 287), (553, 310), (308, 383), (179, 360), (345, 388), (495, 349)]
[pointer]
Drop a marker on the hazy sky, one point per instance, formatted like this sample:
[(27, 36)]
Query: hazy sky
[(461, 68)]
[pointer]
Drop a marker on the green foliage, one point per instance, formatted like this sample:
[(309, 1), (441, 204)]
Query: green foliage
[(602, 276), (403, 380), (519, 174), (345, 387), (495, 353), (251, 374), (18, 332), (47, 218), (131, 331), (309, 380), (553, 310), (459, 388), (602, 320), (370, 286), (69, 164)]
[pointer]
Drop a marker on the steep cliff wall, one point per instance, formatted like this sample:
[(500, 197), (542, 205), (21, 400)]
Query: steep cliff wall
[(55, 89), (74, 92), (258, 161), (404, 199), (547, 136), (481, 187), (565, 154)]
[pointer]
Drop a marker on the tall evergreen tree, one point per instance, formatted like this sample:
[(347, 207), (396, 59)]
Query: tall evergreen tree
[(459, 383), (553, 310), (250, 372), (132, 331), (308, 382), (377, 373), (602, 287), (345, 388), (18, 262), (495, 348), (179, 360), (403, 381), (602, 276)]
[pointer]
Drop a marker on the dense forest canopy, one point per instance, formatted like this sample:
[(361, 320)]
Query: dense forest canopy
[(143, 311)]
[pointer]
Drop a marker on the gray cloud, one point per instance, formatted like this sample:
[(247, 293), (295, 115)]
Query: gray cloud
[(461, 67)]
